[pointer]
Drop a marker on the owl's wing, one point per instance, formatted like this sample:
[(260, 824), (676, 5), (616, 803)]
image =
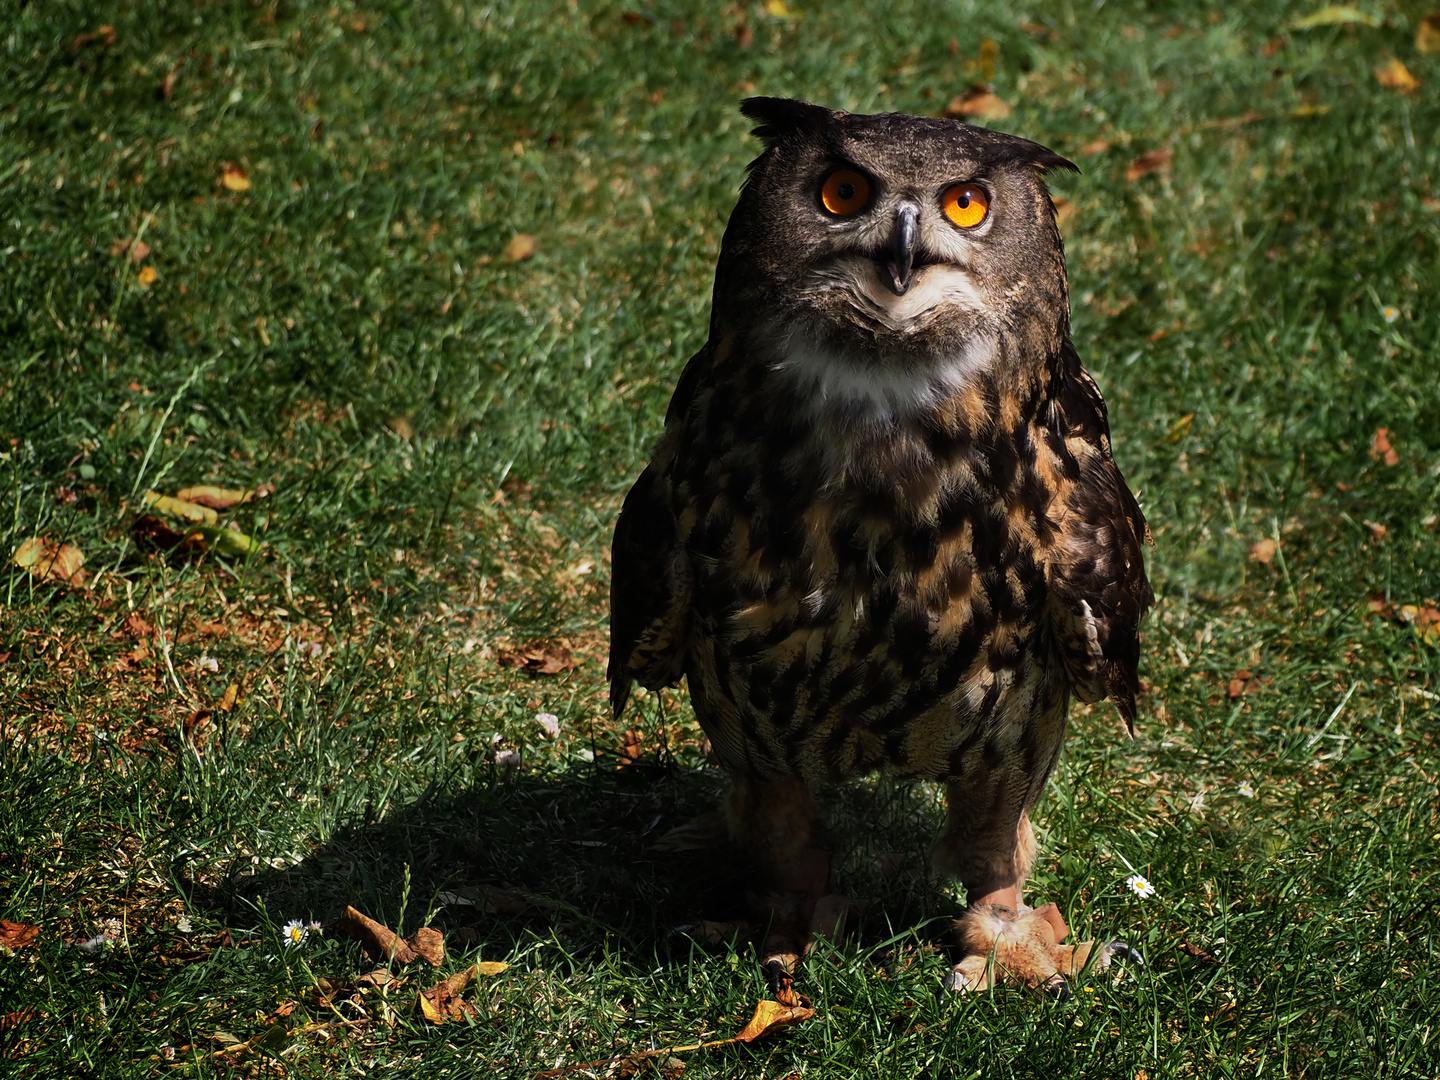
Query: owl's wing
[(650, 571), (1098, 588)]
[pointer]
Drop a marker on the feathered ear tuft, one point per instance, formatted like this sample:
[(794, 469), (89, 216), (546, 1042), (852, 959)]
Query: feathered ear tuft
[(1048, 159), (776, 118)]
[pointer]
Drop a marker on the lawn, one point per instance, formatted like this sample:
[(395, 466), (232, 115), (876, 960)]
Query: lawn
[(420, 279)]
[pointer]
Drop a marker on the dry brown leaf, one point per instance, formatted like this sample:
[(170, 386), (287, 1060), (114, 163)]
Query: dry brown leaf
[(105, 36), (977, 103), (234, 178), (1427, 35), (772, 1016), (166, 89), (1152, 161), (1378, 532), (1242, 683), (380, 977), (1097, 146), (442, 1002), (629, 748), (1393, 75), (539, 658), (14, 935), (193, 722), (1198, 953), (1263, 551), (218, 498), (1380, 448), (380, 942), (520, 248), (135, 250), (149, 532), (50, 560)]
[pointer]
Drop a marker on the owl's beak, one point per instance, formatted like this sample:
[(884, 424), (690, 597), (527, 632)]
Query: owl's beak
[(902, 248)]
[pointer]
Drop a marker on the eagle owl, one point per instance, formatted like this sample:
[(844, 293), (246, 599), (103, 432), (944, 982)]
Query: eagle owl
[(883, 529)]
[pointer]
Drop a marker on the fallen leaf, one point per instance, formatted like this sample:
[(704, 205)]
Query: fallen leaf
[(234, 178), (193, 722), (1097, 146), (1427, 35), (1152, 161), (776, 9), (381, 977), (1334, 15), (492, 967), (166, 89), (1380, 448), (103, 36), (977, 103), (1180, 429), (50, 560), (402, 427), (520, 248), (218, 498), (179, 508), (629, 748), (1242, 683), (1393, 75), (14, 1019), (381, 943), (147, 276), (1273, 46), (1198, 953), (135, 250), (772, 1016), (442, 1002), (539, 658), (15, 935), (1377, 532), (1262, 551), (230, 697), (744, 35), (150, 532)]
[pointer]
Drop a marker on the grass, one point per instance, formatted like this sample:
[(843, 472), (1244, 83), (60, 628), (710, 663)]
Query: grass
[(449, 435)]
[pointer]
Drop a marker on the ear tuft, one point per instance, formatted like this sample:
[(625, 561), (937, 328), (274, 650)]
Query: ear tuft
[(1048, 159), (776, 118)]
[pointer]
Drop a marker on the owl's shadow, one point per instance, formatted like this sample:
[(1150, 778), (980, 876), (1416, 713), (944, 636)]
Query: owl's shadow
[(587, 857)]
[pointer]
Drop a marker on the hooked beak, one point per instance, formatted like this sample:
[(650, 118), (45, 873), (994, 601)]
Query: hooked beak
[(902, 249)]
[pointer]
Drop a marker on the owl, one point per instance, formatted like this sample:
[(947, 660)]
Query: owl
[(883, 529)]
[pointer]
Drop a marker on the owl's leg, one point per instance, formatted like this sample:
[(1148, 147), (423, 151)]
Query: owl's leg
[(991, 853), (774, 822)]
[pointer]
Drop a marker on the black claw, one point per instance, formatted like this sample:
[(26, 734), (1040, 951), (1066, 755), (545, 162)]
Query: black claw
[(775, 974), (1126, 952), (1061, 989)]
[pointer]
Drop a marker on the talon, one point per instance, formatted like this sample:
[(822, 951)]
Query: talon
[(953, 983), (1126, 952), (1060, 987)]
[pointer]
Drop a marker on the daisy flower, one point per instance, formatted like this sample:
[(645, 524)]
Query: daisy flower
[(1140, 886), (315, 927), (1390, 313), (1246, 791), (293, 933)]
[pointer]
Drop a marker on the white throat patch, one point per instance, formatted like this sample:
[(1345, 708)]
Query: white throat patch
[(868, 390)]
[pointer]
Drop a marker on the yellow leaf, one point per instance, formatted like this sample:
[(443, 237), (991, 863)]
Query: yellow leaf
[(1427, 35), (771, 1016), (1180, 428), (50, 560), (178, 508), (147, 276), (235, 178), (1393, 75), (1334, 15), (777, 9), (217, 498), (520, 247), (492, 967), (231, 696)]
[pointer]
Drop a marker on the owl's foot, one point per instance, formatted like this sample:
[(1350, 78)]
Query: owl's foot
[(801, 911), (1025, 948)]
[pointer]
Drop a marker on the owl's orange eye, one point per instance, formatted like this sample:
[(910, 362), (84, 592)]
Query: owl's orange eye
[(966, 205), (845, 192)]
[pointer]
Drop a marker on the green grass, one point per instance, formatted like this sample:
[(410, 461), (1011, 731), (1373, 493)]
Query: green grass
[(348, 330)]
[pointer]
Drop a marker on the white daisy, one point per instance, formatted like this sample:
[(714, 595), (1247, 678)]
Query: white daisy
[(1140, 886), (1246, 791), (1390, 313), (293, 933)]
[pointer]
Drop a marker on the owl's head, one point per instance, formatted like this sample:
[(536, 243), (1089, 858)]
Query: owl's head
[(897, 241)]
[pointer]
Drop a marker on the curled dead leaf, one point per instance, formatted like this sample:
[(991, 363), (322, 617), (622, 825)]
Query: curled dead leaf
[(218, 498), (1334, 15), (1394, 75), (50, 560), (520, 248), (442, 1002), (15, 935), (165, 504), (977, 103), (1152, 161), (104, 36), (230, 697), (630, 750), (381, 943), (772, 1016), (1242, 683), (540, 658)]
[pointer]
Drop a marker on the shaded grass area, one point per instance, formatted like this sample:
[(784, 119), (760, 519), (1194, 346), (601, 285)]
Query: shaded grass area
[(449, 434)]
